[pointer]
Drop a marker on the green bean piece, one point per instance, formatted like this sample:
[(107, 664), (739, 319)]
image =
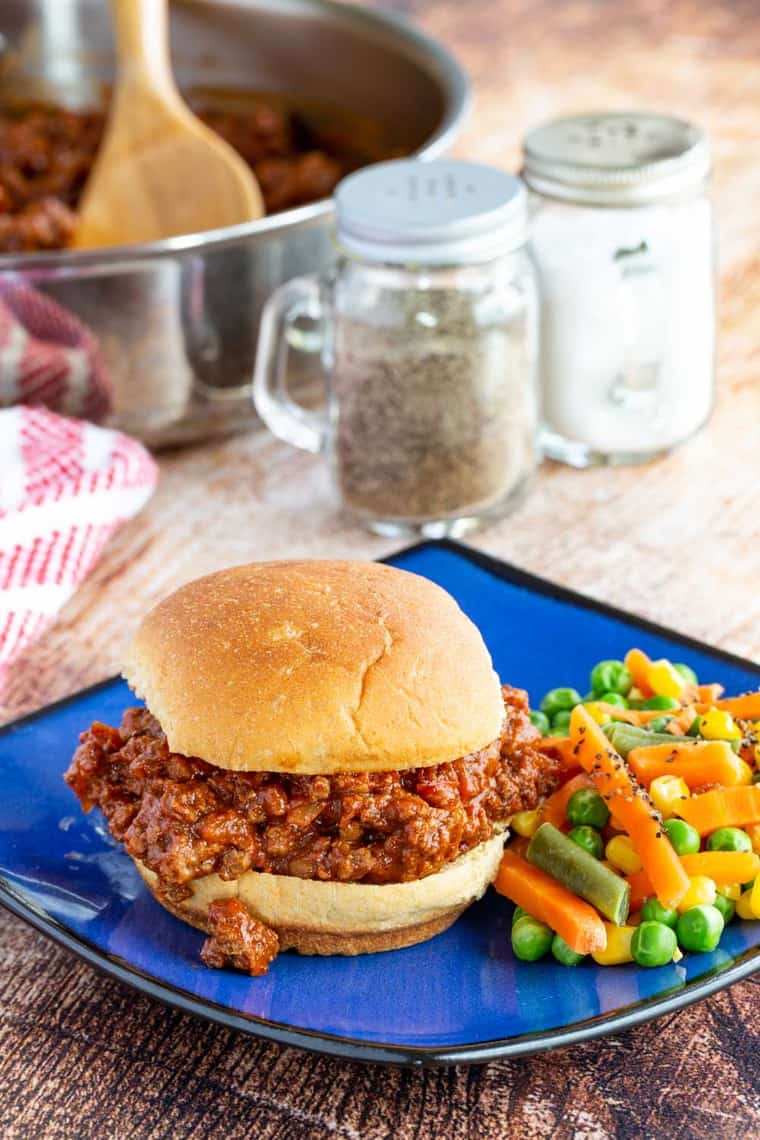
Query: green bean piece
[(695, 727), (580, 872), (625, 737)]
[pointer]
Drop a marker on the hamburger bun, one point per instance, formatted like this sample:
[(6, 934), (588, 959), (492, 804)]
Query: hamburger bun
[(316, 667), (316, 917)]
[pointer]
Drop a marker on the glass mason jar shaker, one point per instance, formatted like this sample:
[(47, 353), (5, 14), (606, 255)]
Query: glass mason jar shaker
[(622, 233), (428, 344)]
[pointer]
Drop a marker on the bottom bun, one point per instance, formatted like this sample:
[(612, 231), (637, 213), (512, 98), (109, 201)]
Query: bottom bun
[(315, 917)]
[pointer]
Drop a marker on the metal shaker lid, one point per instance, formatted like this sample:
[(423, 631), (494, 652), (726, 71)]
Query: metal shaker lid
[(444, 212), (616, 158)]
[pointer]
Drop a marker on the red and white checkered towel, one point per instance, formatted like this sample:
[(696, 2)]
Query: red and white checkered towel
[(48, 356), (65, 486)]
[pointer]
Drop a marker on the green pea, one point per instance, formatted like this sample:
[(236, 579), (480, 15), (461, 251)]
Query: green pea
[(659, 702), (531, 940), (563, 953), (653, 944), (684, 838), (540, 720), (611, 677), (519, 913), (561, 723), (652, 910), (659, 724), (687, 673), (586, 806), (560, 700), (589, 839), (700, 928), (727, 908), (613, 699), (729, 839)]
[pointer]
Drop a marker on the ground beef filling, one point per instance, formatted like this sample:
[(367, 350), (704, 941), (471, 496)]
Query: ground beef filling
[(184, 818), (238, 939)]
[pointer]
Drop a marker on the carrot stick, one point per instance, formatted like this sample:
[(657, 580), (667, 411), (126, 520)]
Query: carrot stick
[(707, 693), (550, 902), (631, 807), (641, 889), (746, 707), (638, 664), (703, 762), (723, 807), (554, 808), (723, 867)]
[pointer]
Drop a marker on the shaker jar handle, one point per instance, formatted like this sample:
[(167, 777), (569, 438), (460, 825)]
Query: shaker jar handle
[(288, 420)]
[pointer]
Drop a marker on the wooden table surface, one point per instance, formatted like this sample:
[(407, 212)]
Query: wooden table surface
[(677, 541)]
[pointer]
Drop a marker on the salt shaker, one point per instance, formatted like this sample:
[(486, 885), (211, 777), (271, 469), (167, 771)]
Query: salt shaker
[(622, 233), (428, 344)]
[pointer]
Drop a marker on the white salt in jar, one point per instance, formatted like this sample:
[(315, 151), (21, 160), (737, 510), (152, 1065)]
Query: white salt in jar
[(623, 241)]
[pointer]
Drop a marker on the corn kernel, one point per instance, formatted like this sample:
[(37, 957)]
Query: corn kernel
[(526, 823), (598, 712), (664, 680), (753, 831), (701, 892), (622, 854), (743, 772), (667, 793), (618, 948), (730, 890), (745, 907), (719, 725)]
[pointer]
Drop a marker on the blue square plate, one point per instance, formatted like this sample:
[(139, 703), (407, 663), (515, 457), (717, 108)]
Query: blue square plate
[(460, 997)]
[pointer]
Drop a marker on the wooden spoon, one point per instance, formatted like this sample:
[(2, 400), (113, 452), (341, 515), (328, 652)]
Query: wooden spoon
[(160, 171)]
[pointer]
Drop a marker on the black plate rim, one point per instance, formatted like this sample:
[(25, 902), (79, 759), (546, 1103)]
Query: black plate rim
[(352, 1049)]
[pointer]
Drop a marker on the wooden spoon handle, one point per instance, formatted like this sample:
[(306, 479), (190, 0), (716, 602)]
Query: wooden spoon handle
[(142, 42)]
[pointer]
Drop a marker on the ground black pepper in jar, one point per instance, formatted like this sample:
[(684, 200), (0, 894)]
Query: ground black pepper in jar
[(429, 346)]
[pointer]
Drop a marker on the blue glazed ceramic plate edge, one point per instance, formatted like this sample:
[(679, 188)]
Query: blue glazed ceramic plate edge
[(352, 1049)]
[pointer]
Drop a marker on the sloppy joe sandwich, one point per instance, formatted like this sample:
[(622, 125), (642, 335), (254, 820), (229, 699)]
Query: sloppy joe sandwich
[(326, 761)]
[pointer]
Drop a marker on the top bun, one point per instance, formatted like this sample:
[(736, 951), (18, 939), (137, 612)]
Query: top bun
[(316, 667)]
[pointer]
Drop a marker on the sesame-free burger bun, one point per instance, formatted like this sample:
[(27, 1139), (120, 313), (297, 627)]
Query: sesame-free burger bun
[(316, 667), (316, 917)]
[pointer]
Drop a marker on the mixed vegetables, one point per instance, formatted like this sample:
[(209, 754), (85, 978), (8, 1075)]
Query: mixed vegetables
[(651, 844)]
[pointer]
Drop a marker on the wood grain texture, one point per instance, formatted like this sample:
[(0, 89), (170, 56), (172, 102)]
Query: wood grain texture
[(677, 541)]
